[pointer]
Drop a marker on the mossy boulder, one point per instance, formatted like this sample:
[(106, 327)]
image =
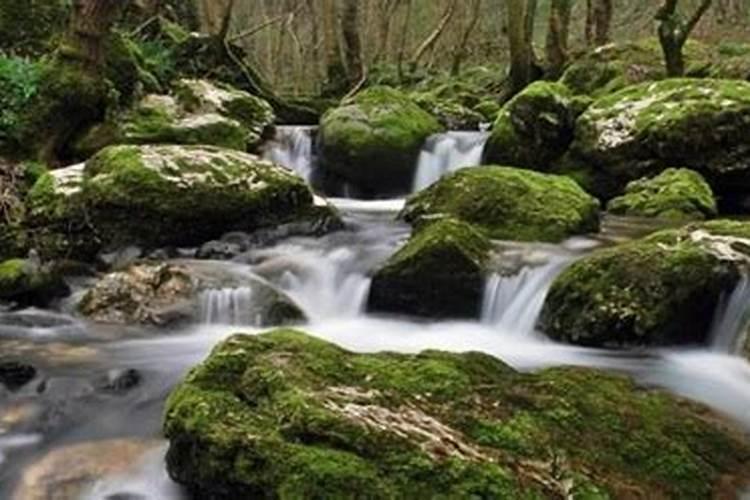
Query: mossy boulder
[(509, 204), (644, 129), (438, 273), (167, 196), (675, 194), (534, 128), (612, 67), (373, 140), (26, 282), (284, 415), (661, 290)]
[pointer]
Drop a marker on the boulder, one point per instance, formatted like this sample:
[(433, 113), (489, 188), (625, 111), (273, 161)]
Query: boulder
[(373, 140), (28, 282), (509, 204), (439, 273), (660, 290), (644, 129), (535, 128), (155, 196), (615, 66), (675, 194), (284, 415), (160, 294)]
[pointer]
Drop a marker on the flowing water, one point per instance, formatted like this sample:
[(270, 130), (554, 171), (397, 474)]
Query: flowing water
[(446, 153), (293, 147), (104, 385)]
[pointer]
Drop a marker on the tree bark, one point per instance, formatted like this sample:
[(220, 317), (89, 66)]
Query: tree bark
[(674, 31), (354, 62), (460, 52), (90, 24), (557, 36), (521, 53), (433, 37), (598, 22)]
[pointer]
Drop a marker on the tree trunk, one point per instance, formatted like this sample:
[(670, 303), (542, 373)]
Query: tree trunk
[(557, 36), (87, 35), (332, 50), (433, 37), (602, 21), (404, 39), (460, 52), (674, 31), (521, 58), (354, 62)]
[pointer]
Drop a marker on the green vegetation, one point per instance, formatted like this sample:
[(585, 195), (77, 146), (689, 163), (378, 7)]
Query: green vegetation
[(509, 204), (286, 415)]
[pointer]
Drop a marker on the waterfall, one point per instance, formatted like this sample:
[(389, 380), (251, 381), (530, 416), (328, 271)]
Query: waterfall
[(732, 318), (448, 152), (293, 148), (513, 303), (228, 306)]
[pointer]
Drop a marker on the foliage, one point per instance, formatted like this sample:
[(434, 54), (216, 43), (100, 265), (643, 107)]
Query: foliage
[(19, 83)]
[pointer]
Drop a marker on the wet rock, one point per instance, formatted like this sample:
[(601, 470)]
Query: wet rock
[(121, 381), (675, 194), (15, 375), (509, 204), (660, 290), (167, 294), (312, 420), (29, 282), (373, 140), (219, 250), (439, 273), (67, 472)]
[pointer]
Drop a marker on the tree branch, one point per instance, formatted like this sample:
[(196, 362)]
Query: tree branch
[(704, 6)]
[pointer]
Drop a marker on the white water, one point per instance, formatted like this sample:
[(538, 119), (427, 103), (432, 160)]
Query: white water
[(293, 148), (228, 306), (732, 319), (446, 153)]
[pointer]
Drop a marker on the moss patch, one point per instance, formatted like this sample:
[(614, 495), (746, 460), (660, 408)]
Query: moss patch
[(285, 414), (509, 203)]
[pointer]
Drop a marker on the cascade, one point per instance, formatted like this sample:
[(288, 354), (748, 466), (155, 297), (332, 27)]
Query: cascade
[(732, 318), (227, 306), (513, 303), (293, 148), (446, 153)]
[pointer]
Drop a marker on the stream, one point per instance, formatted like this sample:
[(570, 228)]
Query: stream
[(102, 383)]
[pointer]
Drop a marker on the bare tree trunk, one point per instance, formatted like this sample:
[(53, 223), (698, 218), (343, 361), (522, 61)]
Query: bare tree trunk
[(387, 9), (433, 37), (332, 50), (460, 53), (602, 21), (557, 36), (404, 39), (354, 61), (674, 31), (89, 26), (521, 53)]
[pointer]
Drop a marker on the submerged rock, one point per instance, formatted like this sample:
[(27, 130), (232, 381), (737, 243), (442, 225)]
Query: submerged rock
[(155, 196), (164, 294), (14, 375), (283, 415), (534, 128), (67, 472), (675, 194), (439, 273), (509, 204), (661, 290), (373, 140), (644, 129)]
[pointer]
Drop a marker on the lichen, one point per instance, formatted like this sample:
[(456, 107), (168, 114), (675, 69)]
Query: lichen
[(509, 203)]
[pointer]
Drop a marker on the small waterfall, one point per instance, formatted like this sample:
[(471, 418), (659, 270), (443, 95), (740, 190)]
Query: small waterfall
[(293, 148), (731, 319), (228, 306), (513, 303), (448, 152)]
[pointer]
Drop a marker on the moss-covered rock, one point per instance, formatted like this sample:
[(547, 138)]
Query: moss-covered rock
[(534, 128), (438, 273), (509, 203), (643, 129), (28, 283), (373, 140), (165, 195), (614, 66), (283, 415), (675, 194), (662, 290)]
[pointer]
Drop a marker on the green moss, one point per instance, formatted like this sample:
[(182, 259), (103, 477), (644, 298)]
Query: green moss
[(662, 290), (285, 414), (19, 83), (30, 27), (374, 139), (534, 128), (641, 130), (438, 273), (675, 194), (509, 203)]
